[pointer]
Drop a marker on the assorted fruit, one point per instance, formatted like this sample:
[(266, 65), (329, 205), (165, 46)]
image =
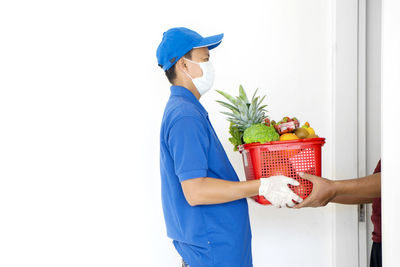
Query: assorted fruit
[(288, 136), (287, 125), (250, 124)]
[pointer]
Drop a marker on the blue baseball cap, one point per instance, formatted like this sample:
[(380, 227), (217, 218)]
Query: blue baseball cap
[(176, 42)]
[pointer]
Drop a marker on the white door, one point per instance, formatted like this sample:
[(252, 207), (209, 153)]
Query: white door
[(370, 114), (345, 126)]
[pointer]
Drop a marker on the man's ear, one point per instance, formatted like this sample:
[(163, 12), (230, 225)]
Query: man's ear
[(181, 65)]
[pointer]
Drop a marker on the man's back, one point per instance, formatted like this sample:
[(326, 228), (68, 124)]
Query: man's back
[(204, 235)]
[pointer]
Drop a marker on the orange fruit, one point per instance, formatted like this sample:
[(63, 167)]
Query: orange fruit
[(288, 136)]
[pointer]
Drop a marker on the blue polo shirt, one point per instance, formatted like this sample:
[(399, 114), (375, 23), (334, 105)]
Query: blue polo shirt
[(204, 235)]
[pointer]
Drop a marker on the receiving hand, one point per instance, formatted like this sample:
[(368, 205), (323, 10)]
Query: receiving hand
[(323, 191)]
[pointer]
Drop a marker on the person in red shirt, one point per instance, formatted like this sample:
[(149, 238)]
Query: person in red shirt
[(354, 191), (376, 253)]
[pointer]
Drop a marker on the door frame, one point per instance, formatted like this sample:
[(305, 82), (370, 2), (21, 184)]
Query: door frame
[(348, 129), (363, 209)]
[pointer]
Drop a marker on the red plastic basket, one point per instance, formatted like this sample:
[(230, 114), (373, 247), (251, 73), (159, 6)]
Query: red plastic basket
[(283, 158)]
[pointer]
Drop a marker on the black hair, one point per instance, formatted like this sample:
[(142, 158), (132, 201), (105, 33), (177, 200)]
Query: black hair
[(171, 74)]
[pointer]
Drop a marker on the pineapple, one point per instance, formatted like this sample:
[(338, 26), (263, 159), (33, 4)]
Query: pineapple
[(243, 112)]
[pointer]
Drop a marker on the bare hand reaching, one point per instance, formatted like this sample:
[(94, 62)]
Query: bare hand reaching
[(323, 192)]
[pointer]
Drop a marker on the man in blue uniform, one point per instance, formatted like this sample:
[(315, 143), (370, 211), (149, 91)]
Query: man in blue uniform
[(204, 203)]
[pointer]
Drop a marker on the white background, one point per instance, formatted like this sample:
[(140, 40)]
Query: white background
[(80, 109)]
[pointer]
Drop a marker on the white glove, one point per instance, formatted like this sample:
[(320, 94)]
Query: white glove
[(275, 189)]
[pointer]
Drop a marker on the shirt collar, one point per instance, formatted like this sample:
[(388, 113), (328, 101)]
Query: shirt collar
[(182, 91)]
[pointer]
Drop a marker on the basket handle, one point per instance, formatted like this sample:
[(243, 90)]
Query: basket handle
[(244, 154)]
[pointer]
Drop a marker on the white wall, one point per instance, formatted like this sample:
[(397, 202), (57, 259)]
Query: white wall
[(84, 99)]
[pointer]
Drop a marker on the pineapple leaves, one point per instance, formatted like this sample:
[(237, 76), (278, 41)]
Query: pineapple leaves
[(242, 113), (231, 115), (254, 95), (253, 109), (242, 94), (262, 99), (229, 106), (227, 96)]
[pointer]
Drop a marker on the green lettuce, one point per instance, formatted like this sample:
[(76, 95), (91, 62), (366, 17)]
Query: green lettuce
[(237, 136), (260, 133)]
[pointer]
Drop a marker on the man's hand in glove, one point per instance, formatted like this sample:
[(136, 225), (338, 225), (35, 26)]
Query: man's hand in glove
[(275, 189)]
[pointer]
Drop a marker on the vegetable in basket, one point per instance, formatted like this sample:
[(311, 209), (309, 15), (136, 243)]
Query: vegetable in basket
[(260, 133), (243, 114)]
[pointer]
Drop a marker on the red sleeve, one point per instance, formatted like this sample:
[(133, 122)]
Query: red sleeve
[(378, 167)]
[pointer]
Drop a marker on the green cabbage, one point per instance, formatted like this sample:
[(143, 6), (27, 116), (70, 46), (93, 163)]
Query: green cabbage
[(260, 133)]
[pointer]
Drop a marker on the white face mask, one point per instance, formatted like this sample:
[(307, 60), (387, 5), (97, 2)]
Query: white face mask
[(205, 82)]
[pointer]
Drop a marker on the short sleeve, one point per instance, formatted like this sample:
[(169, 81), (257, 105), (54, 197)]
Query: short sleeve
[(189, 143)]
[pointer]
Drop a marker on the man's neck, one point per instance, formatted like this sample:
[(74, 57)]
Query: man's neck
[(190, 86)]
